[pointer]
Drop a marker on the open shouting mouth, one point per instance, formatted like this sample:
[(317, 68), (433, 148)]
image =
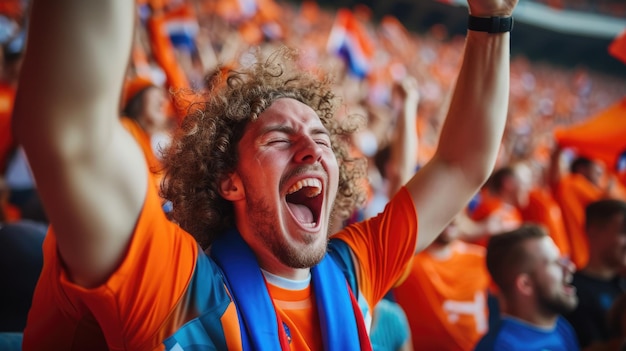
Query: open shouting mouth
[(304, 200)]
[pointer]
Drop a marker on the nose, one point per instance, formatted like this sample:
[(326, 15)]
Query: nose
[(568, 264), (309, 151)]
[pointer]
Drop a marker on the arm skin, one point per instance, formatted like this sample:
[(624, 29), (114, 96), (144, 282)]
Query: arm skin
[(405, 142), (472, 131), (90, 173)]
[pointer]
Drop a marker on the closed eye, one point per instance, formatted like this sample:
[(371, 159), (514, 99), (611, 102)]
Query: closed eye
[(322, 142), (278, 141)]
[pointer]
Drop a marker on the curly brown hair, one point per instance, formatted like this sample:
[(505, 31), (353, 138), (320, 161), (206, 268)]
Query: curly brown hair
[(204, 149)]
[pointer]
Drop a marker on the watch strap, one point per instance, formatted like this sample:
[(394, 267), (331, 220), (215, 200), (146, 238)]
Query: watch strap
[(490, 24)]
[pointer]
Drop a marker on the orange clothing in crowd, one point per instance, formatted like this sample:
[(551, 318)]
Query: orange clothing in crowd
[(12, 8), (11, 212), (163, 52), (445, 299), (7, 143), (543, 209), (491, 205), (574, 192), (143, 139)]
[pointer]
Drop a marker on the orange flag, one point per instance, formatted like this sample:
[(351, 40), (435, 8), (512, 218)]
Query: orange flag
[(601, 137), (617, 48), (349, 40), (310, 11), (12, 8), (163, 52)]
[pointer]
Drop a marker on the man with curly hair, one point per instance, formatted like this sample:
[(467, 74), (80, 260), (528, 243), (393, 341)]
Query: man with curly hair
[(255, 174)]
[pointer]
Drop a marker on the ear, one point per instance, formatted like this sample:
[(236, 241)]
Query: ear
[(231, 187), (524, 284)]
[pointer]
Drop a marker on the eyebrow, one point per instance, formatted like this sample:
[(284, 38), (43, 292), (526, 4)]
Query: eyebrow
[(290, 130)]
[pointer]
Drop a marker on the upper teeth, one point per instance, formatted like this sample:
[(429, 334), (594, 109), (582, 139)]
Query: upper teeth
[(314, 187)]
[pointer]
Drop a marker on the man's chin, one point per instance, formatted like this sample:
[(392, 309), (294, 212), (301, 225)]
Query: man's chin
[(300, 259)]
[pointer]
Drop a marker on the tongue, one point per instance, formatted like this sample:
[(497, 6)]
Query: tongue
[(302, 213)]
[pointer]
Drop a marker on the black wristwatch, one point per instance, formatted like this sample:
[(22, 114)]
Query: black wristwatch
[(490, 24)]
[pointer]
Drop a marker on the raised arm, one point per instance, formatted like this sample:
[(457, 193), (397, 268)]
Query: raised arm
[(405, 140), (90, 173), (472, 131)]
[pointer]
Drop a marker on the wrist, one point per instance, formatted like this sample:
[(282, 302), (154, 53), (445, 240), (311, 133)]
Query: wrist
[(492, 25)]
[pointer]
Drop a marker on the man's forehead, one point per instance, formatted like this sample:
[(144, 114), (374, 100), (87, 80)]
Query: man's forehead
[(543, 248), (288, 111), (616, 222), (289, 105)]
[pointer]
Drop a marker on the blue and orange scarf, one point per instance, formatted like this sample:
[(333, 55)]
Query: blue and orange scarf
[(261, 328)]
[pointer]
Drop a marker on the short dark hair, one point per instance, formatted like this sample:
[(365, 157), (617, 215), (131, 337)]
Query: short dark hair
[(598, 213), (135, 104), (497, 179), (579, 164), (506, 256)]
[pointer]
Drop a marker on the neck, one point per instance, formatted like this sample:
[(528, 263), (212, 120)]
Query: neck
[(440, 251), (272, 265)]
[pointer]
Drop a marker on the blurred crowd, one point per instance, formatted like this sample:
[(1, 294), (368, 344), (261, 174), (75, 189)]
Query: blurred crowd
[(205, 34), (614, 8)]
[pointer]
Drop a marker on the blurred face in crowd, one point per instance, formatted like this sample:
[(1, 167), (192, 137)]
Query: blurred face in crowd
[(523, 182), (289, 175), (551, 277), (153, 114), (612, 241), (593, 173), (449, 234)]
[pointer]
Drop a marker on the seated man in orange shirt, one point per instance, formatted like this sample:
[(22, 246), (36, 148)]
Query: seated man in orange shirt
[(144, 115), (542, 207), (574, 191), (445, 294)]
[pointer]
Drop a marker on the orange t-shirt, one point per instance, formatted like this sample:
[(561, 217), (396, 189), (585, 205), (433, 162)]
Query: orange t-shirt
[(7, 142), (143, 139), (144, 301), (12, 8), (12, 212), (543, 209), (574, 192), (166, 293), (445, 299), (490, 205), (298, 308)]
